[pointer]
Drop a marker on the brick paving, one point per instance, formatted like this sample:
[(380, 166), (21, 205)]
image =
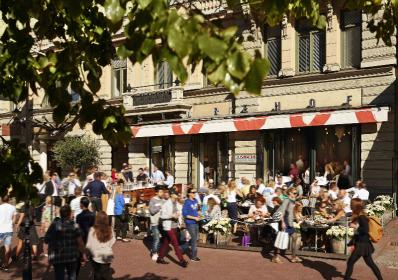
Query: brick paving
[(132, 262)]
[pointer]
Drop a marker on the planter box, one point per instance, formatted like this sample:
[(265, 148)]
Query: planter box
[(222, 239), (387, 217), (203, 237), (338, 246)]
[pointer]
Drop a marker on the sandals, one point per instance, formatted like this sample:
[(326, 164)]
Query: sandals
[(276, 260), (296, 260)]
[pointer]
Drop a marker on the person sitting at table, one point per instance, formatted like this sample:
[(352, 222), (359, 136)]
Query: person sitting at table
[(253, 195), (324, 195), (339, 216), (277, 202), (245, 189), (213, 209), (169, 179), (279, 181), (260, 185), (322, 209), (329, 172), (315, 189), (140, 208), (333, 190), (299, 188), (142, 176), (278, 193), (346, 200), (259, 209)]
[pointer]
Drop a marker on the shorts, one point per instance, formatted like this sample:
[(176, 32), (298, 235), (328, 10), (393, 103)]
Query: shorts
[(6, 238), (32, 236)]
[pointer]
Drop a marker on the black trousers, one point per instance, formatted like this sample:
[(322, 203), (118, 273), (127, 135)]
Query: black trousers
[(102, 271), (96, 204), (121, 226), (355, 256)]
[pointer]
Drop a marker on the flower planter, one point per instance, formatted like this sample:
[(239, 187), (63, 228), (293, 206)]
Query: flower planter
[(338, 246), (387, 217), (222, 239), (202, 237)]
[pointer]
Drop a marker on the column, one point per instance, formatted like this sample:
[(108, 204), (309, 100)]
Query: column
[(288, 44), (333, 41)]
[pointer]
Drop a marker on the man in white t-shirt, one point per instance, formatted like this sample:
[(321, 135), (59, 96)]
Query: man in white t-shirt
[(75, 203), (260, 186), (7, 219)]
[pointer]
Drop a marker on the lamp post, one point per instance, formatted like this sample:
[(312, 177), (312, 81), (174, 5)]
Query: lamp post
[(27, 254)]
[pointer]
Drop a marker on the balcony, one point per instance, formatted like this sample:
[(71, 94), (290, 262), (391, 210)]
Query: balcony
[(207, 7), (168, 100)]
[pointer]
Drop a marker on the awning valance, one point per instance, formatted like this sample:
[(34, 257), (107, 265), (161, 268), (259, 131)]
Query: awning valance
[(337, 117)]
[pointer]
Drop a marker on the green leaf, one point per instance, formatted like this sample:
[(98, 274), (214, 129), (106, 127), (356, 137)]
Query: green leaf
[(212, 47), (256, 75), (109, 120), (218, 75), (229, 32), (238, 64), (113, 11)]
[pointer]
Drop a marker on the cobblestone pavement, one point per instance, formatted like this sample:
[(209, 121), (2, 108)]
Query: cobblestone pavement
[(132, 262)]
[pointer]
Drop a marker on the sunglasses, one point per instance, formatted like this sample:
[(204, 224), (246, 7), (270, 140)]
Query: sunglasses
[(193, 192), (294, 193)]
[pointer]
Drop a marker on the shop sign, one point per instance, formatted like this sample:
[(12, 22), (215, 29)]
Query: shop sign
[(246, 158), (156, 149)]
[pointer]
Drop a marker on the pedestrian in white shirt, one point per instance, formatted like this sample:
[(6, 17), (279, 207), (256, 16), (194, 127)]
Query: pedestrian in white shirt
[(7, 219), (157, 175), (361, 192), (75, 203), (70, 184)]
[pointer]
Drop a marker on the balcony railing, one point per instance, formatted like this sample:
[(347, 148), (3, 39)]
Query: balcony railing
[(170, 96)]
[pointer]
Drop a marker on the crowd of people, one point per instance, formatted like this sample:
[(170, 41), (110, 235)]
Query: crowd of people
[(90, 229)]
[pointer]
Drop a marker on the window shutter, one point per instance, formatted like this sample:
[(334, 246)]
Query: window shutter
[(318, 50), (304, 53), (160, 75), (274, 49), (351, 28)]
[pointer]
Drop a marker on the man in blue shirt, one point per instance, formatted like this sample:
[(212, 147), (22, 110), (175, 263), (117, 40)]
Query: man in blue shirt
[(95, 189), (191, 215)]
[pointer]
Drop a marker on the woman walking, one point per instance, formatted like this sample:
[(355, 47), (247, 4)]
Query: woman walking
[(287, 212), (232, 207), (121, 222), (99, 244), (363, 247)]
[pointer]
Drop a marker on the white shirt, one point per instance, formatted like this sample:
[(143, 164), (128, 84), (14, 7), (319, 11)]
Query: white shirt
[(253, 209), (332, 194), (7, 213), (157, 176), (231, 196), (169, 181), (261, 189), (347, 204), (75, 206), (72, 185), (206, 198), (362, 194), (315, 189)]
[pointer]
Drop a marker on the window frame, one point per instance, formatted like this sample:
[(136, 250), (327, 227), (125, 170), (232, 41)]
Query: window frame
[(167, 70), (267, 39), (344, 41), (123, 77), (312, 30)]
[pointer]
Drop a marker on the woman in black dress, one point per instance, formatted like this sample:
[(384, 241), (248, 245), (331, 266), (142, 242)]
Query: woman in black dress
[(363, 247)]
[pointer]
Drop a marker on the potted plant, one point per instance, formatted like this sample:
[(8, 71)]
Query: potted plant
[(337, 235), (221, 229), (387, 202), (375, 209)]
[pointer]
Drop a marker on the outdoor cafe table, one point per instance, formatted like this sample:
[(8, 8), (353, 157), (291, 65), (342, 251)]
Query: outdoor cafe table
[(317, 228)]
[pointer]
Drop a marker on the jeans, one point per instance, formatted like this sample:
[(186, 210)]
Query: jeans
[(65, 269), (171, 237), (102, 271), (155, 239), (193, 230)]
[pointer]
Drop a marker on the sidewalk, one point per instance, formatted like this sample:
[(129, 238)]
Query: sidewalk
[(387, 250)]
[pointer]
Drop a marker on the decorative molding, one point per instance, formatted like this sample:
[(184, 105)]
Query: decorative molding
[(329, 68), (284, 26), (329, 17), (284, 73)]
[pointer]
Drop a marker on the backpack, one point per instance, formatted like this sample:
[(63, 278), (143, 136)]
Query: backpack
[(375, 229)]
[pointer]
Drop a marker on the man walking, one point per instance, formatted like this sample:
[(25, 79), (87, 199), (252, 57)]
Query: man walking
[(75, 203), (85, 219), (64, 245), (191, 216), (7, 219), (51, 189), (155, 205), (95, 189)]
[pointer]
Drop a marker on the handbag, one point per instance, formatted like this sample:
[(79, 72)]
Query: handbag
[(282, 240)]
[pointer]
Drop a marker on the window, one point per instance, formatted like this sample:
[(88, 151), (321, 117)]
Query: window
[(273, 48), (119, 77), (311, 48), (164, 75), (351, 39)]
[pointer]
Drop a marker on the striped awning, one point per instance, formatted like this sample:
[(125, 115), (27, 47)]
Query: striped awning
[(338, 117)]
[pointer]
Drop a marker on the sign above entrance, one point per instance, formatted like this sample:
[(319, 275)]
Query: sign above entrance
[(246, 158), (276, 121)]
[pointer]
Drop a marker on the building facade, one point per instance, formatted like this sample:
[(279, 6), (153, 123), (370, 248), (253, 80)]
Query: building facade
[(330, 98)]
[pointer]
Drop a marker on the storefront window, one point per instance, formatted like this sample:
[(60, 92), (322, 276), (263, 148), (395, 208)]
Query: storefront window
[(215, 157)]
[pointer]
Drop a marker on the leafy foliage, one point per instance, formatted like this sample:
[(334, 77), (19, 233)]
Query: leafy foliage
[(79, 36), (77, 153), (18, 172)]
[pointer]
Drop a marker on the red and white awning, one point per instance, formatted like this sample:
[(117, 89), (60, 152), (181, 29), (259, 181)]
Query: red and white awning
[(338, 117)]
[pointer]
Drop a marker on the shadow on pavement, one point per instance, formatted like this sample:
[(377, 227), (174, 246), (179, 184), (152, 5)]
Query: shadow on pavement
[(327, 271), (147, 276)]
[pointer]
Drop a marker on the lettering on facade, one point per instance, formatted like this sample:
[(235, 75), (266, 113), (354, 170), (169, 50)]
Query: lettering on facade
[(246, 158)]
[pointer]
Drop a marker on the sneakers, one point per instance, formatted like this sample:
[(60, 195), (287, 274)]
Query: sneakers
[(155, 257), (4, 268), (195, 259), (183, 264), (161, 261)]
